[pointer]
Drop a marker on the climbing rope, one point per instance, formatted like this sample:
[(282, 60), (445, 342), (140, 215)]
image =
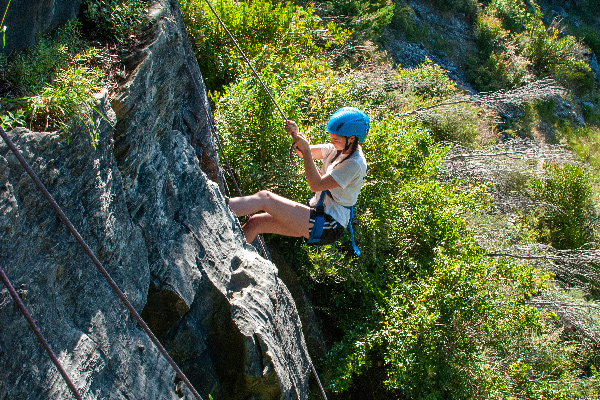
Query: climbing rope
[(38, 333), (318, 380), (96, 262), (291, 150), (245, 58), (229, 169)]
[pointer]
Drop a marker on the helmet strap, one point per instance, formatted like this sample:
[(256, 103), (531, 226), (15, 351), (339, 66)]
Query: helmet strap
[(347, 145)]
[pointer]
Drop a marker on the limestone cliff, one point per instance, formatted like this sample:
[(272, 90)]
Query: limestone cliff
[(149, 204)]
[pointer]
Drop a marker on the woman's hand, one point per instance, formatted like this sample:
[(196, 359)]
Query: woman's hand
[(300, 143)]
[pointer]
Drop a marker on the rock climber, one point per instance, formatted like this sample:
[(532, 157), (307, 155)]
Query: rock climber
[(336, 185)]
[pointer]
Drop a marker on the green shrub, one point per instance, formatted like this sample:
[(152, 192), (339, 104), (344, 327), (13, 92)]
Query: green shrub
[(365, 18), (279, 34), (491, 36), (498, 71), (117, 20), (561, 57), (460, 123), (565, 221), (514, 14), (428, 80), (71, 95), (31, 69), (498, 64), (57, 82)]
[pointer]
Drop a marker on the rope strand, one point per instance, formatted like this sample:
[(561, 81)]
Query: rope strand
[(246, 59)]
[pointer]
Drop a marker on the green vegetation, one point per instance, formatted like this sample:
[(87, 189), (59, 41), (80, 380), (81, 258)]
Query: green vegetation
[(424, 312), (516, 45), (52, 86), (585, 141), (53, 83), (566, 222), (265, 31), (118, 20), (364, 18)]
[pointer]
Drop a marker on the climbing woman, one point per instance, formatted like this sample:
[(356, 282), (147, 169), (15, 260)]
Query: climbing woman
[(336, 185)]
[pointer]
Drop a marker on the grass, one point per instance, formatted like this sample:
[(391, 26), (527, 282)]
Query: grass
[(53, 84)]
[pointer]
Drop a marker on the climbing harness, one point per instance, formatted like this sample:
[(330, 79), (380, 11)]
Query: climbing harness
[(115, 288), (38, 333), (317, 230)]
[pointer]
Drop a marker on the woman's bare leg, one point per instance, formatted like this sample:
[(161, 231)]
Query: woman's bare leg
[(282, 216)]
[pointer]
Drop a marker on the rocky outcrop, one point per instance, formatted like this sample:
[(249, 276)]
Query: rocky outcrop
[(26, 18), (149, 204), (448, 41)]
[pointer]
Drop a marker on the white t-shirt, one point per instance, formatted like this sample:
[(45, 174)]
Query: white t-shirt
[(349, 175)]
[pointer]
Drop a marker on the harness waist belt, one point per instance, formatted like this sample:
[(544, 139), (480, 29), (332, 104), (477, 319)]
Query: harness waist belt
[(317, 230)]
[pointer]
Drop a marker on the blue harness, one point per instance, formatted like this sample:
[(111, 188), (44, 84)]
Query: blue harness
[(317, 230)]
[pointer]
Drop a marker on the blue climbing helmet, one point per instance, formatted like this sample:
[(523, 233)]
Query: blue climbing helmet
[(349, 121)]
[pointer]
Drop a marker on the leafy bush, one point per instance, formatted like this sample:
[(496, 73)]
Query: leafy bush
[(56, 81), (117, 19), (514, 14), (491, 36), (280, 34), (365, 18), (499, 71), (562, 57), (515, 46), (460, 123), (565, 221), (428, 80), (31, 69)]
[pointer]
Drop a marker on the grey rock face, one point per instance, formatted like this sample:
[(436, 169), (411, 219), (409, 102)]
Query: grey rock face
[(24, 19), (148, 203)]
